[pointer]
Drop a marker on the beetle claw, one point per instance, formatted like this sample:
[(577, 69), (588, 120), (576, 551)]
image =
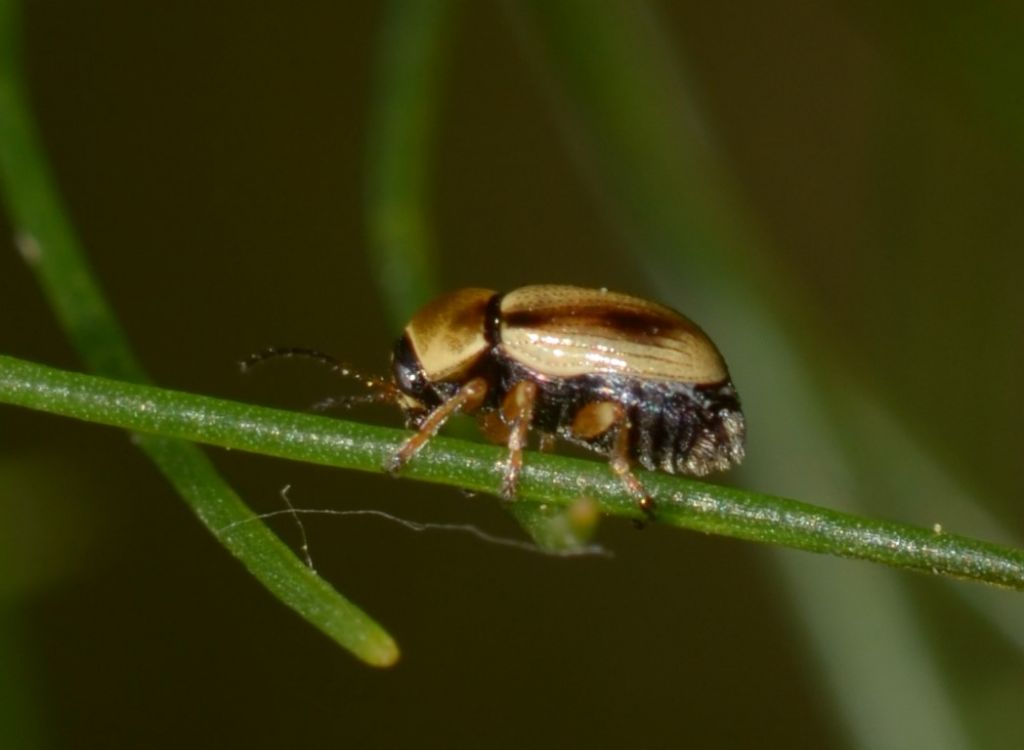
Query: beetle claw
[(509, 486), (392, 466), (394, 463)]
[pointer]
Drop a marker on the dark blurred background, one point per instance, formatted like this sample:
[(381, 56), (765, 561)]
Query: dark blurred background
[(212, 158)]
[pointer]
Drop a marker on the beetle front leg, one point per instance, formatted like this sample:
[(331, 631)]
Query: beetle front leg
[(468, 398), (517, 412)]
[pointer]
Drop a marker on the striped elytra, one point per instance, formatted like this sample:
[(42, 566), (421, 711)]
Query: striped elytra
[(565, 331)]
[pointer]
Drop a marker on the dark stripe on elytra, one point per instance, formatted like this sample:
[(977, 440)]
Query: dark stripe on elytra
[(627, 321)]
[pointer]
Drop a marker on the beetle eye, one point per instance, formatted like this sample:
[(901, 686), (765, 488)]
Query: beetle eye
[(408, 372), (406, 379)]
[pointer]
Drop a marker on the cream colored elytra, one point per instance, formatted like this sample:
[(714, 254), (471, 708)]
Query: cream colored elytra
[(565, 331)]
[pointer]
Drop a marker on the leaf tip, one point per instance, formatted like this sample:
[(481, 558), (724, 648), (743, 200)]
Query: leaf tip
[(381, 652)]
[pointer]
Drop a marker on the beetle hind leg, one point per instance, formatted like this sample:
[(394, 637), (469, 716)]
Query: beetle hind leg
[(623, 468), (596, 420)]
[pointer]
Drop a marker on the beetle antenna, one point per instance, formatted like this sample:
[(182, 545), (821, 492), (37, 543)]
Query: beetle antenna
[(287, 352), (380, 389), (331, 362)]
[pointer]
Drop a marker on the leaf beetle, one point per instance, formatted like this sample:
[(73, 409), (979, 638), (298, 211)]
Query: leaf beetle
[(629, 379)]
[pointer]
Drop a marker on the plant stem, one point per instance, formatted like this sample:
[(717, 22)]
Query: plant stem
[(550, 479)]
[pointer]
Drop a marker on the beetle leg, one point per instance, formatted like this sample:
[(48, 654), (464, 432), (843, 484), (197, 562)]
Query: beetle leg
[(597, 419), (469, 397), (517, 411), (547, 442), (621, 465), (493, 427)]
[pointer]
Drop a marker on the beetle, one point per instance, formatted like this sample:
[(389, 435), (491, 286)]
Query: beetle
[(629, 379)]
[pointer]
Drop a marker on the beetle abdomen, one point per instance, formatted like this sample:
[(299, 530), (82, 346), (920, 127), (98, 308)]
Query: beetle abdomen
[(692, 430), (679, 428)]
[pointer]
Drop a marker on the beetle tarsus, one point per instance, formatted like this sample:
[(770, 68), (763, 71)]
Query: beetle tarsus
[(621, 465), (646, 504), (394, 464)]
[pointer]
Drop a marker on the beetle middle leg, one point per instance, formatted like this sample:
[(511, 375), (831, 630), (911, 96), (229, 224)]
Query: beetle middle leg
[(468, 398), (596, 420), (517, 412)]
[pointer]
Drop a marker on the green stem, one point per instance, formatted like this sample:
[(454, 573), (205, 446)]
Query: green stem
[(550, 479)]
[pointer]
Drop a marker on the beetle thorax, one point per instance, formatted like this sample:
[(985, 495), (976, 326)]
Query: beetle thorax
[(449, 336)]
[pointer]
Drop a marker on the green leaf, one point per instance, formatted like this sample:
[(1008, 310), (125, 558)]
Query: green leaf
[(634, 116), (400, 145), (48, 243)]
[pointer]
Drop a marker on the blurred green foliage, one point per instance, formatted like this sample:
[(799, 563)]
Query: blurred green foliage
[(861, 162)]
